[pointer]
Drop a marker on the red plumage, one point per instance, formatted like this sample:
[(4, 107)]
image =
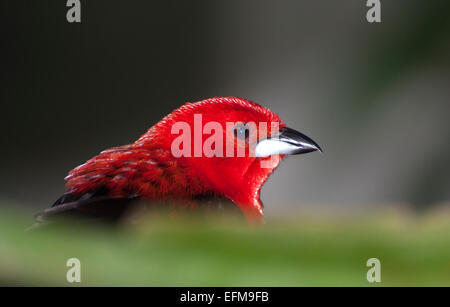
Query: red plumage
[(147, 169)]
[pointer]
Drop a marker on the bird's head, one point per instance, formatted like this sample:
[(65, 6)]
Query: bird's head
[(229, 146)]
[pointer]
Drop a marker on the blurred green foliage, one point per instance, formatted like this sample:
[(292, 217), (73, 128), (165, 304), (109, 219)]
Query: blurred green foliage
[(395, 55), (303, 251)]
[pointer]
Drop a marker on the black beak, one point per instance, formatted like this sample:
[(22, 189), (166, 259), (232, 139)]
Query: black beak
[(303, 143), (287, 142)]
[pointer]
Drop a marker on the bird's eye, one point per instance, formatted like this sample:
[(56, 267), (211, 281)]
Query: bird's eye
[(241, 131)]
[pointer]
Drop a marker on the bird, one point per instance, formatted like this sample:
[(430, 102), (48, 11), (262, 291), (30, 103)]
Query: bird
[(163, 166)]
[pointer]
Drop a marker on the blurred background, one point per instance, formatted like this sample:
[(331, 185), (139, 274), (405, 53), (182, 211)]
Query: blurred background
[(375, 96)]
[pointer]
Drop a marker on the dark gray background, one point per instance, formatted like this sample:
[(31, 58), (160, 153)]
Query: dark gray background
[(375, 96)]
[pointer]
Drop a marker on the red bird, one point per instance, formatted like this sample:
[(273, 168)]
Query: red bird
[(149, 170)]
